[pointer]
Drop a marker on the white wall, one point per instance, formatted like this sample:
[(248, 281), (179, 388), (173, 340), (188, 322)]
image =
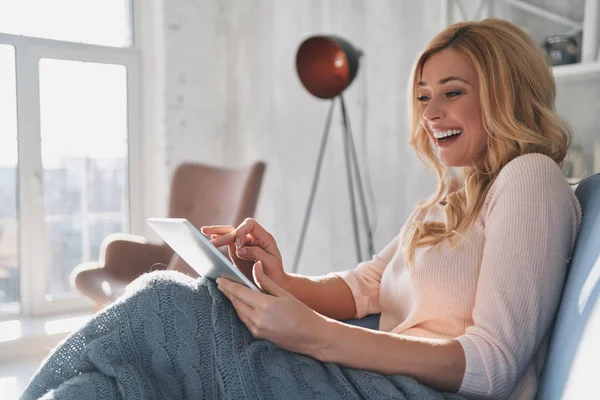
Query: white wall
[(231, 95)]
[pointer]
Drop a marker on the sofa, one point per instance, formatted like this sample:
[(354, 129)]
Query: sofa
[(573, 360)]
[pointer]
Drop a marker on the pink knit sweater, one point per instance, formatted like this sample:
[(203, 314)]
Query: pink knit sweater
[(496, 292)]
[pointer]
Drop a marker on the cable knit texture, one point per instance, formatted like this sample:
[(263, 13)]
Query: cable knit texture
[(173, 337), (496, 291)]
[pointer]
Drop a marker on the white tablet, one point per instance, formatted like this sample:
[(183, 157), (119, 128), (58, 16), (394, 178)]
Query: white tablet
[(192, 246)]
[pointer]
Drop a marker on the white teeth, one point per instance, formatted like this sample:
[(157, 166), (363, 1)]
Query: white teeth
[(449, 132)]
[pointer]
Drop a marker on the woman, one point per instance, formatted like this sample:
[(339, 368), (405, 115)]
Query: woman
[(468, 289)]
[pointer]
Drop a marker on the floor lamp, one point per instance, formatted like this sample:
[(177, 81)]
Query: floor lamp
[(326, 66)]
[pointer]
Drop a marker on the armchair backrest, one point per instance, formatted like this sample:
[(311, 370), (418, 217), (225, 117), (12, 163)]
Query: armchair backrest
[(208, 195)]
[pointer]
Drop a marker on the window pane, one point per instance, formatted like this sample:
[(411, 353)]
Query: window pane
[(107, 185), (9, 227), (62, 187), (64, 251), (85, 105), (102, 228), (102, 22)]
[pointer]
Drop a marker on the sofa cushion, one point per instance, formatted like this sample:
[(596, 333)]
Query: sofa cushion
[(573, 359)]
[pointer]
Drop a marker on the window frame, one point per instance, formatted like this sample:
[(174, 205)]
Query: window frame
[(28, 52)]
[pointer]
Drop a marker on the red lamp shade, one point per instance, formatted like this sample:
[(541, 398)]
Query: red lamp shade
[(326, 65)]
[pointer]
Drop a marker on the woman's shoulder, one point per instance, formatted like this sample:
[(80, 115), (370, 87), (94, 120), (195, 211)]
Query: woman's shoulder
[(532, 171), (532, 177), (531, 164)]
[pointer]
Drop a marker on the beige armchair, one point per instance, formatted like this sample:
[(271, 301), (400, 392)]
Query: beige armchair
[(203, 194)]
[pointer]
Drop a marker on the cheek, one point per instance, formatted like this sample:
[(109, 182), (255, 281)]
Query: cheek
[(471, 116), (470, 113)]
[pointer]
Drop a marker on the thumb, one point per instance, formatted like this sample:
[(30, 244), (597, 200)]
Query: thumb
[(265, 282)]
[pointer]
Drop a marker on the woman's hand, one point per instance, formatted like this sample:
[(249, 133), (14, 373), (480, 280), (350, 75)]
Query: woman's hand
[(218, 231), (249, 243), (276, 315)]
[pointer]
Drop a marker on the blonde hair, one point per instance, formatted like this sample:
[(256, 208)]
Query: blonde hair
[(517, 93)]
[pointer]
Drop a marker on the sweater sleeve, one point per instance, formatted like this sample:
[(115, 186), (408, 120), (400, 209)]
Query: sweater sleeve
[(531, 220), (365, 279)]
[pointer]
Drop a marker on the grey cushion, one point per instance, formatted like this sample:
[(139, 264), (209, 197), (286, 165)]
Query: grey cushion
[(573, 362), (370, 321)]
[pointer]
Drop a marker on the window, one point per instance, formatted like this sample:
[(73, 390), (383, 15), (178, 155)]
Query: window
[(101, 22), (68, 93), (9, 251)]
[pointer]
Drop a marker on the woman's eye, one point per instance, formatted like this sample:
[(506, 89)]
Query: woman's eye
[(422, 98), (453, 94)]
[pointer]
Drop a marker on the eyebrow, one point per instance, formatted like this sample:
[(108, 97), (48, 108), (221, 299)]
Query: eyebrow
[(446, 80)]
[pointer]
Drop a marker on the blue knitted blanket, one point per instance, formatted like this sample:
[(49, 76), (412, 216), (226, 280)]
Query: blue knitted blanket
[(173, 337)]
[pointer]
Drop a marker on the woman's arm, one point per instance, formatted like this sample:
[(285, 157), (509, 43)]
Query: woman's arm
[(328, 295), (531, 222), (345, 295), (437, 363), (338, 296)]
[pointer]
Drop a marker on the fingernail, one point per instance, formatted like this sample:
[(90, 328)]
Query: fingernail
[(238, 243), (242, 251)]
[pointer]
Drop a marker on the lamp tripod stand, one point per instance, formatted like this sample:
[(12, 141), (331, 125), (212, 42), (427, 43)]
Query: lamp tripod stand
[(326, 66), (354, 184)]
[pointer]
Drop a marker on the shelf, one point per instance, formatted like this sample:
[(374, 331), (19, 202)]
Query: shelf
[(577, 71), (588, 26)]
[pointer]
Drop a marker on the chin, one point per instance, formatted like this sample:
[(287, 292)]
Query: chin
[(451, 161)]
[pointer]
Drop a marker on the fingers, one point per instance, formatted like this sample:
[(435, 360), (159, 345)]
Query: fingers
[(266, 283), (226, 231), (249, 240), (240, 292), (261, 236), (243, 310), (249, 232), (216, 229), (231, 250), (229, 238), (254, 253), (244, 266), (220, 234)]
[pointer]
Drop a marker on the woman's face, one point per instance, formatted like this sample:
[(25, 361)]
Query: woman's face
[(449, 107)]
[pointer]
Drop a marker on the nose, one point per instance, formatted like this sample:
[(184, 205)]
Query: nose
[(433, 111)]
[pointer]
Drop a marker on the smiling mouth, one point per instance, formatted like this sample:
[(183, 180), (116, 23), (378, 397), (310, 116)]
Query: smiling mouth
[(447, 134), (446, 138)]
